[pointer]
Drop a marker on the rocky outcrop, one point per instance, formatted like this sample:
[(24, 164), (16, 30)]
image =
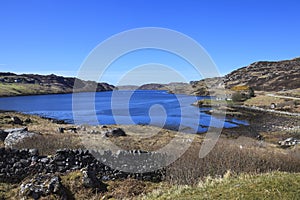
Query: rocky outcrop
[(262, 76), (267, 76)]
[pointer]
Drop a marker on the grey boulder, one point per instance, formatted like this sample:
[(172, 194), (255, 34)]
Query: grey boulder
[(16, 135)]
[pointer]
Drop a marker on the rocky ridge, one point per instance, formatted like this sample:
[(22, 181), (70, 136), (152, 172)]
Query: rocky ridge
[(261, 76), (267, 76)]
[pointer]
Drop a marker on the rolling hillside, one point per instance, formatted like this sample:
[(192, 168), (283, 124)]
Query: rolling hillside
[(27, 84)]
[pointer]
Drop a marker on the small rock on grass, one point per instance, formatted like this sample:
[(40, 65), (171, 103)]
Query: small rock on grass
[(116, 132), (16, 120)]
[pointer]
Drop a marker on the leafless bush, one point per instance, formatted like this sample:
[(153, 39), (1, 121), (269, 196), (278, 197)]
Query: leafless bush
[(226, 155)]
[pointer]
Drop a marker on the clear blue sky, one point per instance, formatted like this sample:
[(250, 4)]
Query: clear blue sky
[(55, 36)]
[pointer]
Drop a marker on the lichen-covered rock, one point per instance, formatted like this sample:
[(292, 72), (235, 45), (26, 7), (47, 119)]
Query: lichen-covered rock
[(43, 185), (16, 135)]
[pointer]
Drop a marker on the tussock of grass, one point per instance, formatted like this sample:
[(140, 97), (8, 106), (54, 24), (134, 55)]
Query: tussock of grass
[(129, 188), (8, 191), (74, 188)]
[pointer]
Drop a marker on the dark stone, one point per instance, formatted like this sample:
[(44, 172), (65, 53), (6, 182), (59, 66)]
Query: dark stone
[(61, 130), (34, 158), (61, 151), (16, 120), (27, 120), (3, 135), (90, 180), (259, 137), (117, 132), (57, 121), (44, 160), (25, 162), (17, 165), (60, 163), (33, 152)]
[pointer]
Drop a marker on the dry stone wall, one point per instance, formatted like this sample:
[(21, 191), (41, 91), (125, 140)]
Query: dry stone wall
[(15, 165)]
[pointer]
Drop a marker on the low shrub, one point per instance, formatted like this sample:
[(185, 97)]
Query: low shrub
[(226, 155)]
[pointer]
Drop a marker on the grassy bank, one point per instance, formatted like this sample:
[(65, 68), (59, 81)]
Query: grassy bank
[(19, 89), (274, 185)]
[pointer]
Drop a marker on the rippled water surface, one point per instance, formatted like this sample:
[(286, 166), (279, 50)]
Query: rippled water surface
[(121, 107)]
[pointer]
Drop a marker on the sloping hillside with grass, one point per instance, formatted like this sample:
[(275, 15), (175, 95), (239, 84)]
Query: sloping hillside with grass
[(30, 84), (279, 76)]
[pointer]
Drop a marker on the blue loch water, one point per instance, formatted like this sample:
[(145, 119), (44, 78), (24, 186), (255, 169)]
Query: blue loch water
[(157, 108)]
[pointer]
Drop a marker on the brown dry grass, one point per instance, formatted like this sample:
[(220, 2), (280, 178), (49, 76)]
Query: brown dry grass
[(118, 189), (75, 189), (236, 156), (47, 144), (130, 188), (263, 101), (37, 124)]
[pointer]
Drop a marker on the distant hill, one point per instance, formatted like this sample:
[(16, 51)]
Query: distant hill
[(174, 87), (27, 84), (152, 86), (261, 76), (127, 87), (267, 76)]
